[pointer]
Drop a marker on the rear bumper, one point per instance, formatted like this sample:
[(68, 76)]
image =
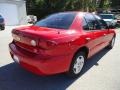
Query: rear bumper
[(38, 65)]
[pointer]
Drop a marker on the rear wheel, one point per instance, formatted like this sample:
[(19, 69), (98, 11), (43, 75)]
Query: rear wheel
[(77, 64)]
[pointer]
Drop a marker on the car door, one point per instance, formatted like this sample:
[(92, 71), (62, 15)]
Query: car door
[(97, 42), (104, 29)]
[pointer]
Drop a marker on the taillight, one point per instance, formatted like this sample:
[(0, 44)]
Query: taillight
[(47, 44)]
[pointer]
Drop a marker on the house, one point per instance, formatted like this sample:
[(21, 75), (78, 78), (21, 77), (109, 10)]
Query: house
[(13, 11)]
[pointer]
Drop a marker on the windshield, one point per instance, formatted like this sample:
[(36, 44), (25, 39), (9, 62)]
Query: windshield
[(107, 16), (59, 20)]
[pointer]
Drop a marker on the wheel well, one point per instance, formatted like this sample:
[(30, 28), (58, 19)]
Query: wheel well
[(84, 49), (114, 35)]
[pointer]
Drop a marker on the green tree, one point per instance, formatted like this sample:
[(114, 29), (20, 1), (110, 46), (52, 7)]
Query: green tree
[(42, 8)]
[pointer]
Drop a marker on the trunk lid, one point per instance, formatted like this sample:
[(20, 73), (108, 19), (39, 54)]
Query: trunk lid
[(24, 35)]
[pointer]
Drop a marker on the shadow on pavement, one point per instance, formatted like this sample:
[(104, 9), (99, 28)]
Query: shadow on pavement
[(13, 77)]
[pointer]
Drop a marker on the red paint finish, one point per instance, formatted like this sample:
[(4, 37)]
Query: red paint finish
[(55, 48)]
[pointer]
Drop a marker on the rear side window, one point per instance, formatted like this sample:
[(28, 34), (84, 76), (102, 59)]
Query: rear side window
[(59, 20)]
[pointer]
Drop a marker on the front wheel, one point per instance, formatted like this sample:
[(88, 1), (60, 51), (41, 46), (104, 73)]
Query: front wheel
[(77, 64), (111, 44)]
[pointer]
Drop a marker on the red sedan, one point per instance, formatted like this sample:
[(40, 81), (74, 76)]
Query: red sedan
[(61, 42)]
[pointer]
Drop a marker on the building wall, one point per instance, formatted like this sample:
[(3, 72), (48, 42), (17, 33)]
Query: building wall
[(21, 10), (22, 13)]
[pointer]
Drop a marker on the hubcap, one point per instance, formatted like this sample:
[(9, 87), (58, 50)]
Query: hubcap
[(113, 41), (78, 65)]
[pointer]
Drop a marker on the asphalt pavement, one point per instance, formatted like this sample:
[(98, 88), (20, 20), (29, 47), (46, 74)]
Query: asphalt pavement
[(101, 72)]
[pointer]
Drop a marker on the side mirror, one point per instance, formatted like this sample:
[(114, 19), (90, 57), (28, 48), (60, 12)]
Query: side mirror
[(111, 27)]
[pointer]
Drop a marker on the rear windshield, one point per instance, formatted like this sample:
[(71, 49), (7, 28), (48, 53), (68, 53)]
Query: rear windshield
[(59, 21), (107, 16)]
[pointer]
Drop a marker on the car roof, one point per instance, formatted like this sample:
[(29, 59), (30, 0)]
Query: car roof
[(66, 12), (76, 12)]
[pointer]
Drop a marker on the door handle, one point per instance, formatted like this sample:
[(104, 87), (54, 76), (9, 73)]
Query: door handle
[(88, 39)]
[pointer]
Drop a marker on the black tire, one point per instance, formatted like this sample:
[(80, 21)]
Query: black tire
[(111, 44), (2, 28), (72, 73)]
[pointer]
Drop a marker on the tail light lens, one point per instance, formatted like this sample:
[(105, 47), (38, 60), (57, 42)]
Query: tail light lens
[(47, 44)]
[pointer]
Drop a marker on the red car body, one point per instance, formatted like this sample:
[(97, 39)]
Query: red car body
[(53, 49)]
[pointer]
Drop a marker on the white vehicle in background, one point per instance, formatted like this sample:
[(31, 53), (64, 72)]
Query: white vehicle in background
[(31, 19), (109, 19)]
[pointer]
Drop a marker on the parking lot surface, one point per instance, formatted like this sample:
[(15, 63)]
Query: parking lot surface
[(101, 72)]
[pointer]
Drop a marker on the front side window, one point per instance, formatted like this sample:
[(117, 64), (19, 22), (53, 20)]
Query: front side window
[(59, 20), (102, 23), (92, 22)]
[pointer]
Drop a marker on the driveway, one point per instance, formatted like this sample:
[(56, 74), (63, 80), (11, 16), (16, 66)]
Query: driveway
[(101, 72)]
